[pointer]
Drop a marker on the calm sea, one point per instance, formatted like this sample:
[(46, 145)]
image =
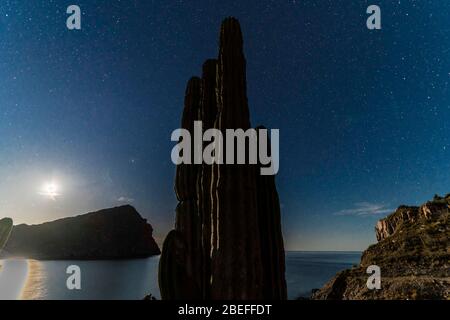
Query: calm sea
[(133, 279)]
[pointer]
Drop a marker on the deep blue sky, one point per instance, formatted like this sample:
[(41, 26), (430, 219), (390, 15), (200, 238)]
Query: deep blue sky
[(364, 116)]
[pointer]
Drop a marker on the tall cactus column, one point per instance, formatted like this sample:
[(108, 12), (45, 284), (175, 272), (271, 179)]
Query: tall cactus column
[(227, 242), (236, 250), (208, 114), (181, 257), (187, 218), (272, 247)]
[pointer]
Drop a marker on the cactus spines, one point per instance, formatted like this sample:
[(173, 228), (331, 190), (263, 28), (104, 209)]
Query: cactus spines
[(227, 242), (6, 226)]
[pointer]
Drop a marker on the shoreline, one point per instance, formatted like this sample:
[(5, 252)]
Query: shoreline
[(13, 277), (133, 279)]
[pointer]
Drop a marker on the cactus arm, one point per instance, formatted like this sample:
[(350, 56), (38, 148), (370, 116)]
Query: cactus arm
[(6, 225)]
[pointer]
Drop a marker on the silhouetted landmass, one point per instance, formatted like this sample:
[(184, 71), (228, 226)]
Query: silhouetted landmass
[(413, 254), (116, 233)]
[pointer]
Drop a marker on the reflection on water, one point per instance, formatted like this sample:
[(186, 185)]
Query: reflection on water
[(13, 274), (100, 280), (35, 285), (133, 279)]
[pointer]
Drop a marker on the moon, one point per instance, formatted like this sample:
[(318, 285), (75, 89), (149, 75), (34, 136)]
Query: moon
[(50, 190)]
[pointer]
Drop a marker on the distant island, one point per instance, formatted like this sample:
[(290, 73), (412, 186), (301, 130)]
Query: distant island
[(413, 253), (116, 233)]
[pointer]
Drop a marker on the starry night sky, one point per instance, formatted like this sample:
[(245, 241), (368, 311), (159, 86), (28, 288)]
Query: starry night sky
[(364, 116)]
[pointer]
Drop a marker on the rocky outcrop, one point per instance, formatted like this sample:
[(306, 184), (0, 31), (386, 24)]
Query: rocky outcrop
[(117, 233), (230, 229), (413, 254), (405, 215), (388, 226)]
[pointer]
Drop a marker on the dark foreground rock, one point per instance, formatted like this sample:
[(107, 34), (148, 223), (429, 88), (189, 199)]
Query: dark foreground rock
[(413, 254), (116, 233)]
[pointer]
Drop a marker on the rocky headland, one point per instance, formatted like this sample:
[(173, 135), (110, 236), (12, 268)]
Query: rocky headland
[(116, 233), (413, 253)]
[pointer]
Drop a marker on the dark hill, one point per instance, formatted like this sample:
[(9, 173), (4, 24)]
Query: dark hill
[(116, 233)]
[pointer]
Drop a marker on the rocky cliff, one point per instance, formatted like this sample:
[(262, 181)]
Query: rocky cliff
[(413, 254), (116, 233)]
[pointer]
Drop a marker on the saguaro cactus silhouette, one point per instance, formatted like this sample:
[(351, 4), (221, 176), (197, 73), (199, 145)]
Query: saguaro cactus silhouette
[(227, 242)]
